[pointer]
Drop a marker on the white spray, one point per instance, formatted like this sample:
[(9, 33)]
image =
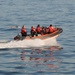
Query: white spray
[(29, 43)]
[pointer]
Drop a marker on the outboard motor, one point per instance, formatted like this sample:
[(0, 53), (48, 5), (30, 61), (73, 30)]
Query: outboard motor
[(18, 37)]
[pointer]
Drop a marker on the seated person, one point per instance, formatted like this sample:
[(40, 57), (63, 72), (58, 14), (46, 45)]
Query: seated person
[(43, 31), (38, 29), (23, 31), (33, 31), (46, 30), (51, 29)]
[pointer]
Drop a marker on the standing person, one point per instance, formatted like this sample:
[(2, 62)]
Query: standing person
[(23, 31), (51, 28), (33, 31), (38, 29)]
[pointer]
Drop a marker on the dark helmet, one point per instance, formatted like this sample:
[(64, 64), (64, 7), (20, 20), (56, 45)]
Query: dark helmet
[(38, 25), (50, 25)]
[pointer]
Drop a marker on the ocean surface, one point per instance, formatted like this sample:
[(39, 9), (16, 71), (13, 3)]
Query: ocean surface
[(37, 57)]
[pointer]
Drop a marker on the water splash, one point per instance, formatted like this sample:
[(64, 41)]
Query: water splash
[(29, 43)]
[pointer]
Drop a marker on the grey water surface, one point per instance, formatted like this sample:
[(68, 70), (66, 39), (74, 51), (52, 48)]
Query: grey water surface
[(51, 61)]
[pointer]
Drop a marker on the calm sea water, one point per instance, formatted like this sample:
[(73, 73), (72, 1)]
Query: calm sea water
[(46, 61)]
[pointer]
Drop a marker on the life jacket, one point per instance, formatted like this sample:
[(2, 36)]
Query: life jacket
[(51, 29), (33, 29), (23, 30), (38, 29)]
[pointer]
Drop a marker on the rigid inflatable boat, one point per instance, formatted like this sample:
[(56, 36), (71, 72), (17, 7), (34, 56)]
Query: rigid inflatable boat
[(42, 37)]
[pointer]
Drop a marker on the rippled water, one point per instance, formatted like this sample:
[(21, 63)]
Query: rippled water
[(52, 60)]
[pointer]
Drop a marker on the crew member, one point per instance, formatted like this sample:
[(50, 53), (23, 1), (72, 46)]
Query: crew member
[(47, 30), (51, 29), (23, 31), (43, 31), (33, 31), (38, 29)]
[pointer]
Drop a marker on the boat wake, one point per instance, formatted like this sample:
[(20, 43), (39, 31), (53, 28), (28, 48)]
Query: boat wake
[(29, 43)]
